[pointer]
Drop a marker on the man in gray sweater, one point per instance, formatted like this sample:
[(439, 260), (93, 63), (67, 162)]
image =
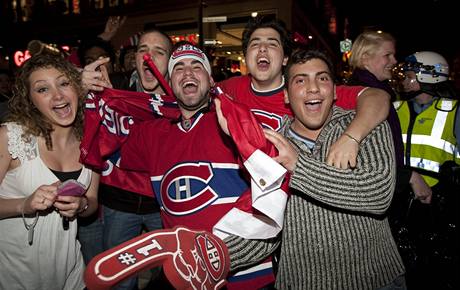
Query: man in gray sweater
[(336, 234)]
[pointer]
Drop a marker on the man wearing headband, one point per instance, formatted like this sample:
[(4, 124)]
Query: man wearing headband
[(193, 166), (191, 71)]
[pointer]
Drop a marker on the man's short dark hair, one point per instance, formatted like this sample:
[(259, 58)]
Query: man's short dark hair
[(302, 55), (153, 29), (266, 22), (87, 44)]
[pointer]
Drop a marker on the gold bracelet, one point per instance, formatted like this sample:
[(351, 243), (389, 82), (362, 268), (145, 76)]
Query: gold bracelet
[(351, 137)]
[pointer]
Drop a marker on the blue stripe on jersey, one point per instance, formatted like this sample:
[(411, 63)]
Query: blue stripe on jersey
[(253, 275), (228, 182), (186, 181)]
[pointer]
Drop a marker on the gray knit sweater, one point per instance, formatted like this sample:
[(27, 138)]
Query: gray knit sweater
[(335, 234)]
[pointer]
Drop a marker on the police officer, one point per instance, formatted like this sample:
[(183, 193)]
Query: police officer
[(429, 118), (429, 122)]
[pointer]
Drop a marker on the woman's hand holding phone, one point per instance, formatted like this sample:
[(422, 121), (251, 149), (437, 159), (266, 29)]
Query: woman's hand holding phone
[(71, 187), (69, 197)]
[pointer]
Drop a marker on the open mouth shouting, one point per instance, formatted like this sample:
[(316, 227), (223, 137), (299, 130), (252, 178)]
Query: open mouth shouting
[(314, 105), (263, 63), (190, 87), (148, 74), (62, 110)]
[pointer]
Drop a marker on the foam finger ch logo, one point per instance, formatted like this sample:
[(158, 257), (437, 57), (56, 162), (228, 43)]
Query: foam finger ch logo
[(190, 259)]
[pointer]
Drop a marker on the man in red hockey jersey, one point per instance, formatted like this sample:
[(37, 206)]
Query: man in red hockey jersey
[(193, 166), (125, 197), (267, 46)]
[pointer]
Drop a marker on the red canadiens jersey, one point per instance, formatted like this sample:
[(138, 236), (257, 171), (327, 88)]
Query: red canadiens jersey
[(269, 107), (107, 118), (195, 175)]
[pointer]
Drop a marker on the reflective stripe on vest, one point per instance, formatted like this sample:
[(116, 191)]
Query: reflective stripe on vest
[(425, 164), (428, 140), (440, 121), (432, 141)]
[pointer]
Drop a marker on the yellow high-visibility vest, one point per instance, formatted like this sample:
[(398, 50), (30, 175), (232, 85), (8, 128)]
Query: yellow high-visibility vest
[(430, 141)]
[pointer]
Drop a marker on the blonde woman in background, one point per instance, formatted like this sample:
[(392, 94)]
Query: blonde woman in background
[(372, 61)]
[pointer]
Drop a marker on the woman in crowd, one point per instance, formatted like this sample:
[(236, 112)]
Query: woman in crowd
[(39, 149), (372, 60)]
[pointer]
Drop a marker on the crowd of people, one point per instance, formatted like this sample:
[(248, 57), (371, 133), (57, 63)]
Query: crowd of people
[(369, 176)]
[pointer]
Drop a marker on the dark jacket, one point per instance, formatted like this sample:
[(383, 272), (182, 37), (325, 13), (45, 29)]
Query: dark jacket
[(366, 78)]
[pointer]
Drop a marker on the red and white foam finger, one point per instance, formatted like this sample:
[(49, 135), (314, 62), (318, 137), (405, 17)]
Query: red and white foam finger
[(190, 260)]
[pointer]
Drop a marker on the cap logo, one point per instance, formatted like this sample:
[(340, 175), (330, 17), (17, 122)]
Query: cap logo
[(188, 51)]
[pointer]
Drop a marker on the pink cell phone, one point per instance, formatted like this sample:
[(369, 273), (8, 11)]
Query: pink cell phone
[(71, 187)]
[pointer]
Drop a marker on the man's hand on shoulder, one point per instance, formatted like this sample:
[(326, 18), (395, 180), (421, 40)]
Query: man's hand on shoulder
[(343, 153)]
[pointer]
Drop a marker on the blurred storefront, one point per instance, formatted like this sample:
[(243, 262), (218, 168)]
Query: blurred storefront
[(215, 25)]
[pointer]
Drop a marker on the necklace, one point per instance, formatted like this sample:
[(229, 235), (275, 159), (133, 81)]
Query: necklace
[(29, 227)]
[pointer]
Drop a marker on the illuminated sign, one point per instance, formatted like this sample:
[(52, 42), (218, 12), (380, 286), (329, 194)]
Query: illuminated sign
[(20, 57), (215, 19), (193, 38)]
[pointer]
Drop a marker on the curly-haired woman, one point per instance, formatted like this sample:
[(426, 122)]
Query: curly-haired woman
[(39, 149)]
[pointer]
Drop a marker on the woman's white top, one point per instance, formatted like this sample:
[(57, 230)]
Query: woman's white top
[(54, 259)]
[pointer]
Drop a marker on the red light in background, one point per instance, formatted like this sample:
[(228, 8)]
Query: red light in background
[(20, 57), (193, 38)]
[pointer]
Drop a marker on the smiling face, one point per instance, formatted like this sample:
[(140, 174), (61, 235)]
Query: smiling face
[(159, 49), (311, 94), (381, 63), (265, 58), (190, 83), (52, 92)]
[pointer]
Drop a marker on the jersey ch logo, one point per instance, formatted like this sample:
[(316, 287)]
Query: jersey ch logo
[(268, 120), (114, 160), (185, 188)]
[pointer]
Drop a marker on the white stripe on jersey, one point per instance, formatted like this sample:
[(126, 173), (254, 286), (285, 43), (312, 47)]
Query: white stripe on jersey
[(224, 200), (260, 267)]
